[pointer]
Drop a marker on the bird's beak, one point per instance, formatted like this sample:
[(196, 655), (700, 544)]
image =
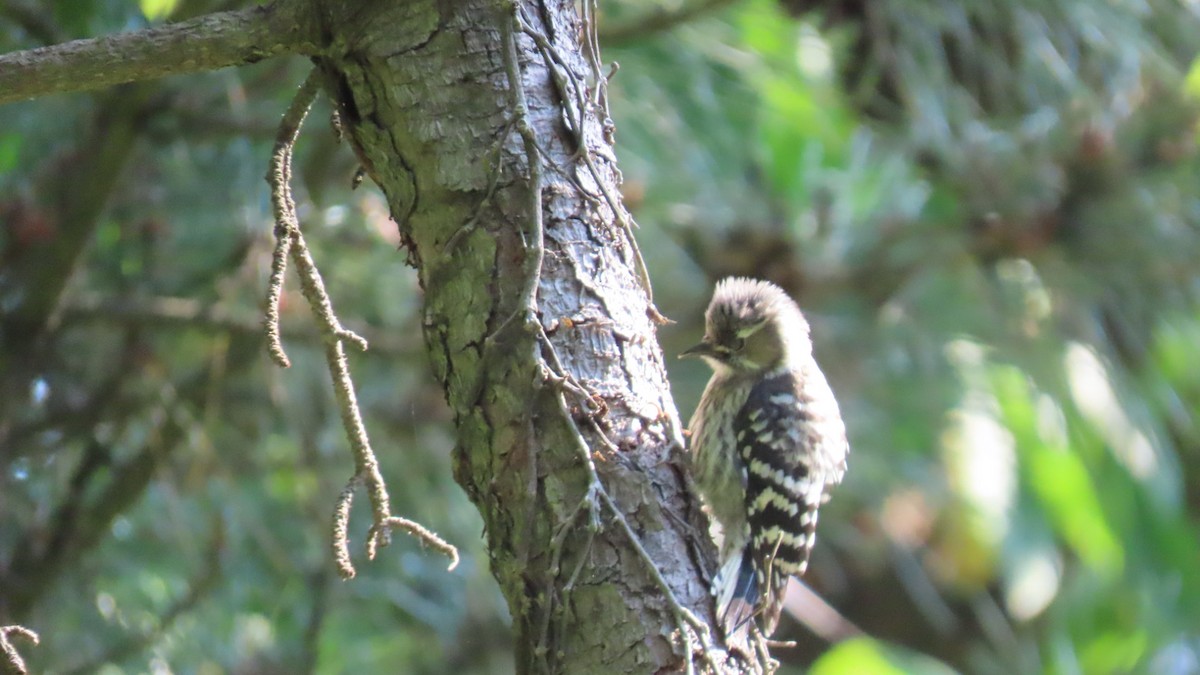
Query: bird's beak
[(702, 349)]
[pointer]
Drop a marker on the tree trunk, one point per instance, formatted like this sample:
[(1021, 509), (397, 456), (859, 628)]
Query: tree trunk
[(537, 320)]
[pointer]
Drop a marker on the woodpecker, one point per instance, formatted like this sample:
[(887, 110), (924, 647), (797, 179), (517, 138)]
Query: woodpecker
[(767, 444)]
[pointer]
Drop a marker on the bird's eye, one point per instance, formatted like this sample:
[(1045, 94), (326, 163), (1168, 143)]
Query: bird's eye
[(737, 343)]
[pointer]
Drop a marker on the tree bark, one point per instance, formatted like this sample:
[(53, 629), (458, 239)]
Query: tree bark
[(536, 319)]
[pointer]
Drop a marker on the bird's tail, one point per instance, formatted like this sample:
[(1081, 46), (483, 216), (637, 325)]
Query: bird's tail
[(736, 591)]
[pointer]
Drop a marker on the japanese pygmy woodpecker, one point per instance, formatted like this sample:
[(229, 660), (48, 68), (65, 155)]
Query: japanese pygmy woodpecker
[(767, 444)]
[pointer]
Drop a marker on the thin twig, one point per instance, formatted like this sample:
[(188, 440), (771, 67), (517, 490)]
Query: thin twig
[(684, 617), (520, 109), (533, 243), (591, 53), (575, 113), (762, 649), (340, 540), (291, 244), (313, 289), (13, 662), (556, 375), (556, 550), (283, 246), (426, 536), (283, 206), (291, 240)]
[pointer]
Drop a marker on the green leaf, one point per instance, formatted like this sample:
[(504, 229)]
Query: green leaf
[(1058, 477), (865, 655), (1115, 652), (157, 10), (1191, 83), (10, 152), (1061, 481)]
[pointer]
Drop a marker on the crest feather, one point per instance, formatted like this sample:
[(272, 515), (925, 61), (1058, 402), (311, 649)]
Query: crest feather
[(738, 302)]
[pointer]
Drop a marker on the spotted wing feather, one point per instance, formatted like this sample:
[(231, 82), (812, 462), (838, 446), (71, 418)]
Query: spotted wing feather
[(791, 441)]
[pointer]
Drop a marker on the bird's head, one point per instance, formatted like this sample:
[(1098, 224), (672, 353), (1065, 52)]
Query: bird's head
[(751, 327)]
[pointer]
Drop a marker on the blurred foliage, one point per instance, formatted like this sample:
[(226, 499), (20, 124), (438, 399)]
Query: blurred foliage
[(864, 655), (989, 211)]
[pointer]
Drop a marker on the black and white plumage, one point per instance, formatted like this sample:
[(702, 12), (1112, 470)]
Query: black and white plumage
[(767, 444)]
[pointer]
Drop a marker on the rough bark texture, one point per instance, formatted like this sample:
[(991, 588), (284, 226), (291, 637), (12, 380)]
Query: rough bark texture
[(424, 90)]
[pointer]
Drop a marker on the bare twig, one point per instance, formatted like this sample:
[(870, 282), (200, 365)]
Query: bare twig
[(520, 112), (287, 228), (572, 90), (762, 648), (291, 244), (596, 493), (556, 550), (426, 536), (290, 241), (591, 52), (13, 663), (684, 618), (313, 289), (534, 254), (341, 529), (279, 256)]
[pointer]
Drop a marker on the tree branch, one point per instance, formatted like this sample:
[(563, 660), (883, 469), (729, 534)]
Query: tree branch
[(201, 44)]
